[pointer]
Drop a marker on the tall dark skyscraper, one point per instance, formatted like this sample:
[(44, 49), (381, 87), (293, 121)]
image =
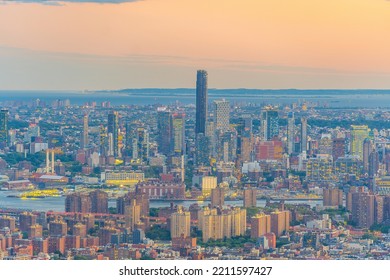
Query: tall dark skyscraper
[(201, 101), (129, 136), (270, 123), (165, 131), (103, 140), (3, 127), (113, 129), (141, 144), (202, 151), (290, 133)]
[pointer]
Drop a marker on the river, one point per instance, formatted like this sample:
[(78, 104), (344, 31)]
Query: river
[(57, 204)]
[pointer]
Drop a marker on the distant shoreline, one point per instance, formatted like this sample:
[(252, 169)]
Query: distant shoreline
[(210, 91), (322, 98)]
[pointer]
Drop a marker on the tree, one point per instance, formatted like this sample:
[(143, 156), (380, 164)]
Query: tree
[(158, 233), (146, 258), (75, 167), (153, 212), (81, 258), (112, 210)]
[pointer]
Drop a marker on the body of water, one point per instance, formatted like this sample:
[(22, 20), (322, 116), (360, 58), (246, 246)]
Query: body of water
[(330, 98), (57, 204)]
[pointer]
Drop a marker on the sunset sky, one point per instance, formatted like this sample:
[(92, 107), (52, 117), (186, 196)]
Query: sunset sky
[(79, 44)]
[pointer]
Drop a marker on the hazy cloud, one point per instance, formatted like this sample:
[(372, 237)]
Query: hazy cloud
[(72, 71)]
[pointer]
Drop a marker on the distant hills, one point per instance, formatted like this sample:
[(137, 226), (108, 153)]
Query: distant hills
[(244, 91)]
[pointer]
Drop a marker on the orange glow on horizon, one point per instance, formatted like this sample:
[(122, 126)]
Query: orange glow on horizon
[(336, 35)]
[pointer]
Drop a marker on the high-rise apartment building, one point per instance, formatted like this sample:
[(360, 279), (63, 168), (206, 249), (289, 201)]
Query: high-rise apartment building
[(132, 215), (303, 134), (221, 115), (358, 134), (40, 245), (280, 222), (338, 148), (379, 208), (325, 144), (201, 102), (363, 209), (250, 199), (207, 184), (141, 198), (99, 201), (260, 225), (103, 140), (178, 120), (111, 144), (56, 244), (26, 220), (7, 221), (368, 147), (244, 139), (58, 227), (138, 236), (79, 229), (218, 224), (105, 234), (386, 208), (238, 221), (217, 197), (245, 147), (180, 224), (348, 198), (78, 202), (84, 140), (373, 164), (290, 133), (332, 197), (210, 223), (269, 123), (34, 231)]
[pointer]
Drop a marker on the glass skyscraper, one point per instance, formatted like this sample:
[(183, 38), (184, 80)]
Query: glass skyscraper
[(113, 129), (270, 123), (201, 102)]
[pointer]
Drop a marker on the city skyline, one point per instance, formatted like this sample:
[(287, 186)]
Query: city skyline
[(251, 44), (106, 181), (155, 131)]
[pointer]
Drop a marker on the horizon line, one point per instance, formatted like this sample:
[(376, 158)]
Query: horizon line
[(192, 88)]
